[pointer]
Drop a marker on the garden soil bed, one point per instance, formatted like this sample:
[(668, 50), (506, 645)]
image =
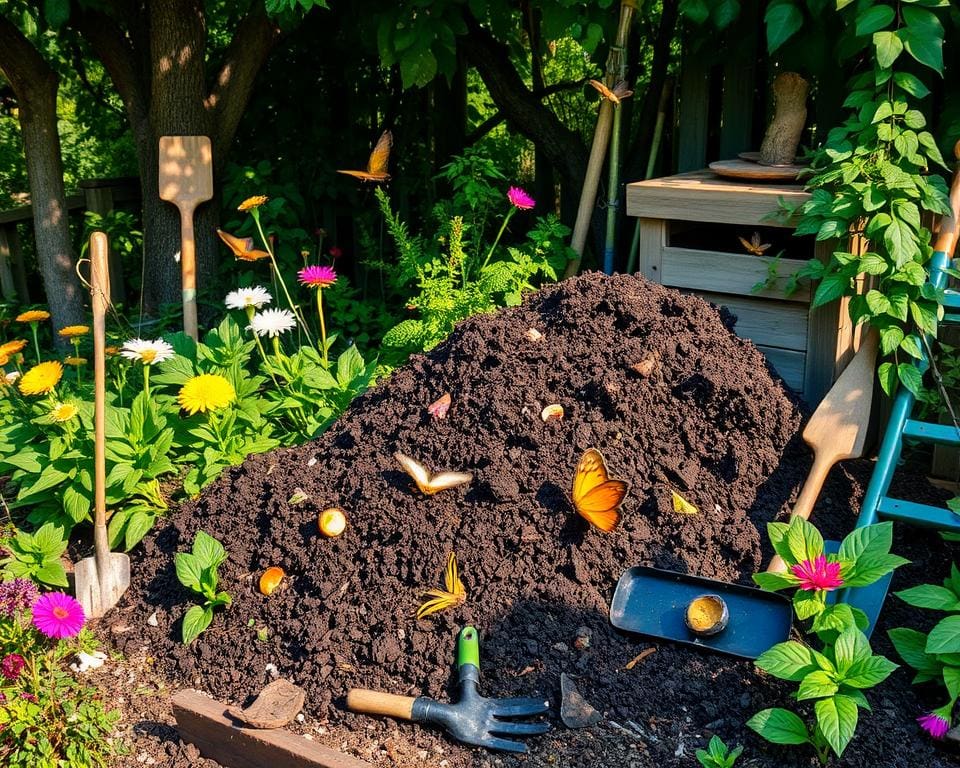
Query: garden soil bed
[(709, 421)]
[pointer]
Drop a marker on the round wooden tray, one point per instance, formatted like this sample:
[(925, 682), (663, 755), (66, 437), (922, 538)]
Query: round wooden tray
[(744, 169)]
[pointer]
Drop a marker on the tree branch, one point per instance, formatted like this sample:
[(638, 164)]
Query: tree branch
[(498, 117), (21, 63), (248, 50)]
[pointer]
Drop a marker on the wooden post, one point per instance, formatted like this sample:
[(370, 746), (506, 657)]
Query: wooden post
[(739, 84), (694, 97)]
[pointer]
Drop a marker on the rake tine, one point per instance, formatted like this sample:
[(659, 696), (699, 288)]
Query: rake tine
[(520, 707), (506, 728), (505, 745)]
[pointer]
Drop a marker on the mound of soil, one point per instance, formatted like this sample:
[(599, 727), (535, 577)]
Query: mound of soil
[(702, 415)]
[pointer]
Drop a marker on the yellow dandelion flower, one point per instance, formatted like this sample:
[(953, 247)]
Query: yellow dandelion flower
[(33, 316), (252, 202), (75, 361), (64, 412), (12, 347), (113, 349), (206, 392), (74, 331), (41, 379)]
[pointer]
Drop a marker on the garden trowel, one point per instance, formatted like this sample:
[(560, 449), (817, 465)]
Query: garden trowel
[(102, 579)]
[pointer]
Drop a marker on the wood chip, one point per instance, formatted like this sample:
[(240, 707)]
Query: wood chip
[(275, 706), (534, 335), (645, 367), (439, 408), (639, 657)]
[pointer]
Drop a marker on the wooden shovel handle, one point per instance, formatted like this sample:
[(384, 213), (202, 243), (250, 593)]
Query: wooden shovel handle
[(188, 269), (379, 703), (949, 225), (99, 299), (808, 497)]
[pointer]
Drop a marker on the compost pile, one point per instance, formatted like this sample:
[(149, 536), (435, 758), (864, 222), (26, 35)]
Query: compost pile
[(656, 381)]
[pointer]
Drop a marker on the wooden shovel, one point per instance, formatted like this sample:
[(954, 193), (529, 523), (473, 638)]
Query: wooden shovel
[(186, 180), (103, 578), (838, 428)]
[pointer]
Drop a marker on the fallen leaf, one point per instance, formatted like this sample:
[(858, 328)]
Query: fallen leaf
[(298, 497), (639, 657), (439, 408), (681, 505)]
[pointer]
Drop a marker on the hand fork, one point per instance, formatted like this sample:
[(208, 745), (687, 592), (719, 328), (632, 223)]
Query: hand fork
[(472, 719)]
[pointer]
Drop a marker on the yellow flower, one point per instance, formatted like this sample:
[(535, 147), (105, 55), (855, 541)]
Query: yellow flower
[(41, 379), (75, 361), (64, 412), (252, 202), (206, 392), (12, 347), (74, 331), (113, 349), (33, 316), (4, 359)]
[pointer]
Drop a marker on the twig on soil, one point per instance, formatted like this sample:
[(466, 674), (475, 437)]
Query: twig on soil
[(639, 657)]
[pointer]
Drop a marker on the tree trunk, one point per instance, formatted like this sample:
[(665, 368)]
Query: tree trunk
[(35, 85)]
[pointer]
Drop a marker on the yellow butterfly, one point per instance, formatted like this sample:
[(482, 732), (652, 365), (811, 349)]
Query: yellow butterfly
[(681, 505), (428, 483), (377, 164), (452, 596), (618, 92), (596, 497), (753, 245)]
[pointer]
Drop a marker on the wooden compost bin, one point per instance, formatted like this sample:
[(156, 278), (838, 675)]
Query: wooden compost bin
[(689, 224)]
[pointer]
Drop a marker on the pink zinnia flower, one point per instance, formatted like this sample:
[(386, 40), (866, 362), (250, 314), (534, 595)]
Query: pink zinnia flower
[(936, 723), (520, 199), (11, 665), (818, 574), (317, 276), (57, 615)]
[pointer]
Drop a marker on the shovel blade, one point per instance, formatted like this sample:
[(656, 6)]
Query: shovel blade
[(99, 590)]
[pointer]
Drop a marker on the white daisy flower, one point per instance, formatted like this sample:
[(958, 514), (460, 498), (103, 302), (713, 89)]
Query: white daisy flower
[(147, 352), (243, 298), (272, 322), (11, 377)]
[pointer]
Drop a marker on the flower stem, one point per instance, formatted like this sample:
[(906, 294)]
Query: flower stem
[(496, 242), (76, 352), (36, 344), (263, 353), (146, 379), (276, 269), (323, 329)]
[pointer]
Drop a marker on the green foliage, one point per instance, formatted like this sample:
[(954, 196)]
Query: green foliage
[(833, 678), (197, 571), (718, 755), (935, 655), (50, 718), (36, 556)]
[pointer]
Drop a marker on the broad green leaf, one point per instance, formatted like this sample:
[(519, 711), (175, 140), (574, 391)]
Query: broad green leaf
[(816, 685), (890, 338), (837, 720), (788, 661), (870, 538), (195, 621), (889, 47), (951, 679), (911, 84), (851, 646), (911, 645), (869, 672), (52, 573), (50, 540), (804, 540), (878, 303), (780, 726), (189, 570), (945, 637), (874, 18), (911, 345), (696, 10), (773, 582), (930, 596), (925, 49), (808, 604), (783, 20), (208, 551)]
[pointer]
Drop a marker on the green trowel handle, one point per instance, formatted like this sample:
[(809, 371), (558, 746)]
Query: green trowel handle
[(468, 647)]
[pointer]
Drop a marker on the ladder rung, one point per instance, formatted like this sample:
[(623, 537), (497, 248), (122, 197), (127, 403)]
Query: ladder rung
[(944, 434), (918, 514), (951, 317), (951, 299)]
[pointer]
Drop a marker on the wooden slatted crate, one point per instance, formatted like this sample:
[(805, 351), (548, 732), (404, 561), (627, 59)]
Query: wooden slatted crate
[(689, 225)]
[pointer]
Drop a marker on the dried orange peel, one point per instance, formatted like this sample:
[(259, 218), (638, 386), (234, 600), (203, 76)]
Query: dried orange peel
[(270, 579)]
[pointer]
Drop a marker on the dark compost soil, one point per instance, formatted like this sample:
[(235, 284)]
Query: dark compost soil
[(709, 421)]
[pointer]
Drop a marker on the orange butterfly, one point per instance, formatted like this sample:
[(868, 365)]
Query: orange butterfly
[(595, 496), (753, 245), (619, 91), (453, 595), (377, 164), (242, 247), (428, 483)]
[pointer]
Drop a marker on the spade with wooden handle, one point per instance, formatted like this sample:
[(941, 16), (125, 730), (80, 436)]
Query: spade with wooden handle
[(102, 579), (186, 180), (838, 428)]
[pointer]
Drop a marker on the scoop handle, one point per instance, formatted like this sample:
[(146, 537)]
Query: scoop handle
[(468, 647), (378, 703)]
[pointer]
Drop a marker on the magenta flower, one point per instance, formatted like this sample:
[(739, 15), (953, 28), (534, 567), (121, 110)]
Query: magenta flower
[(818, 575), (317, 276), (11, 665), (937, 723), (17, 596), (57, 615), (520, 199)]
